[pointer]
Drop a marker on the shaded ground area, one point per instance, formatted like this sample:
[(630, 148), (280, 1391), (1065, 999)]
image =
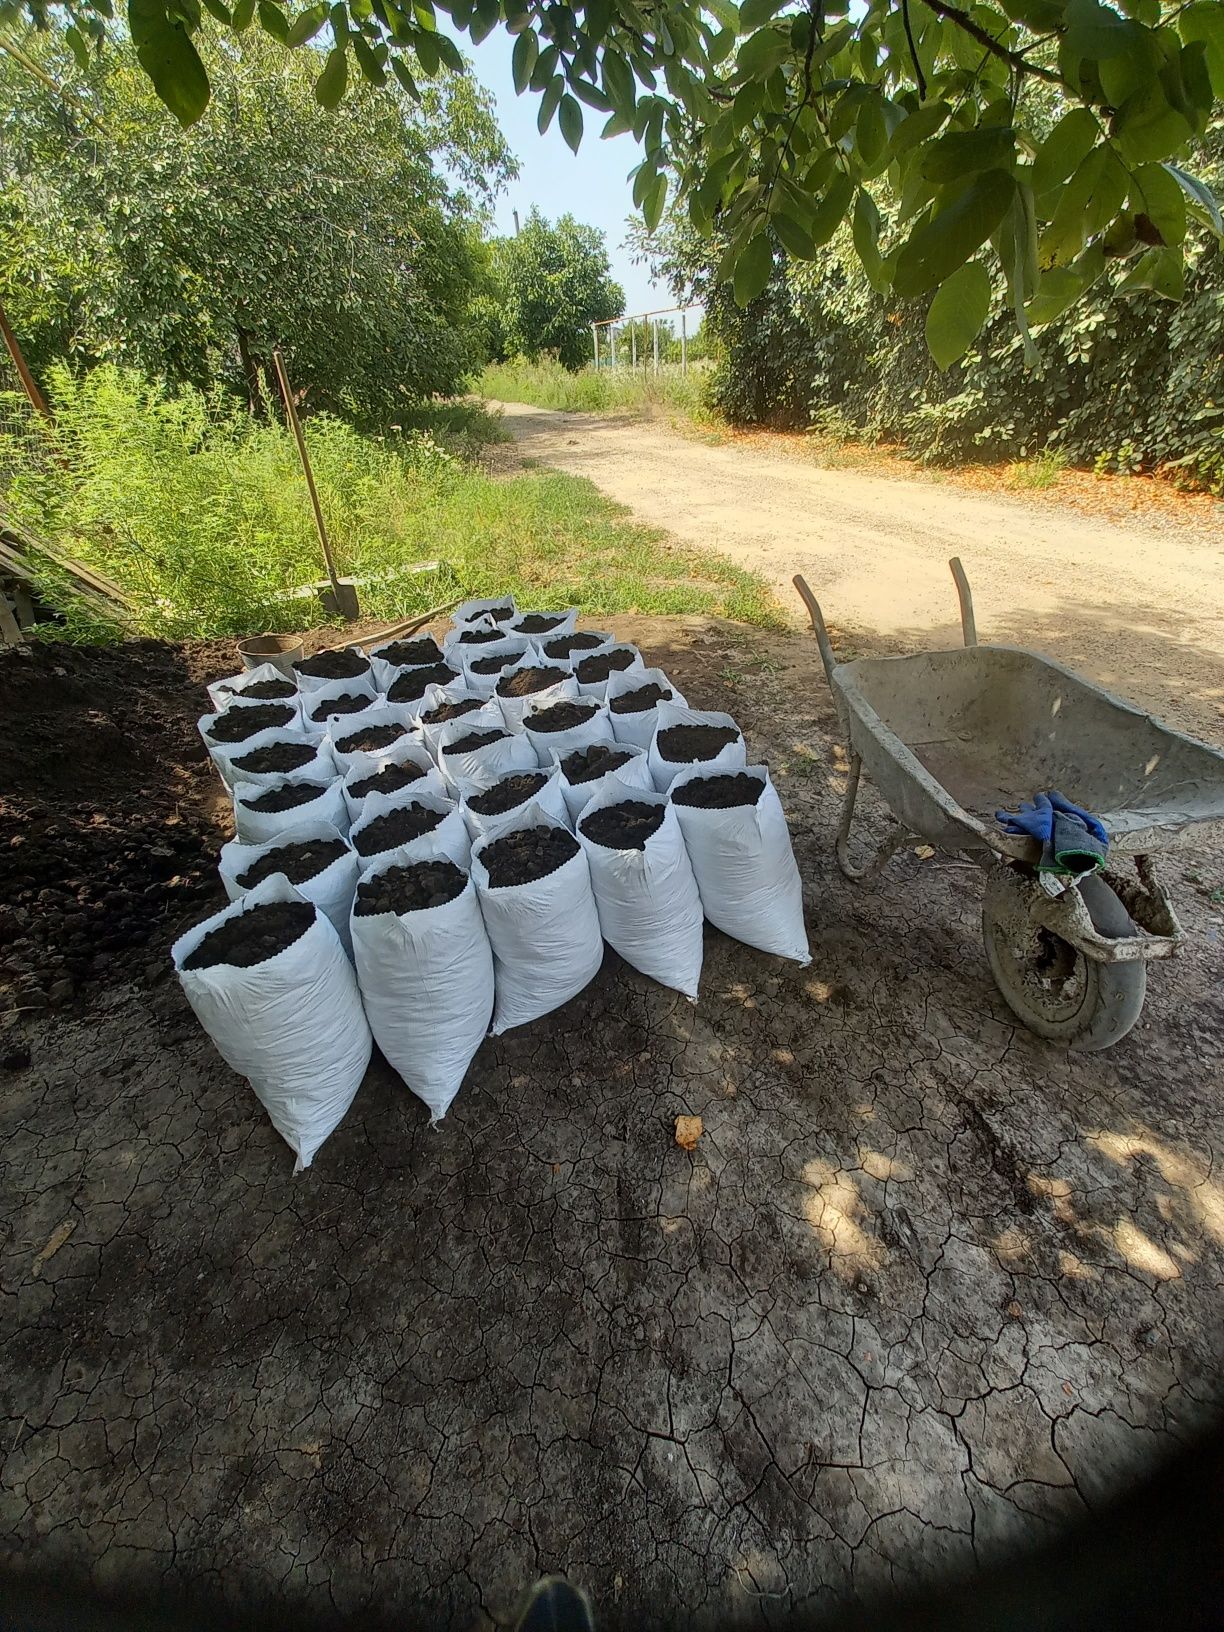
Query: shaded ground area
[(925, 1290), (1138, 607)]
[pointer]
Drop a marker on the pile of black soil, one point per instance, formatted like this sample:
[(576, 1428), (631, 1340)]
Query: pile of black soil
[(499, 614), (253, 937), (339, 663), (239, 723), (451, 711), (494, 665), (276, 757), (348, 702), (395, 828), (599, 666), (538, 623), (473, 741), (412, 686), (480, 637), (389, 780), (528, 855), (409, 654), (265, 691), (637, 702), (286, 797), (372, 738), (508, 794), (623, 827), (690, 744), (298, 862), (719, 792), (597, 760), (563, 716), (525, 681), (410, 889), (563, 645)]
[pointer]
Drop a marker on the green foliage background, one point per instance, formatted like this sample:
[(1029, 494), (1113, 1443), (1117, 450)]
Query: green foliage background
[(549, 283)]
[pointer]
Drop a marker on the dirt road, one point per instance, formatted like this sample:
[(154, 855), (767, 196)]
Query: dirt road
[(1139, 609)]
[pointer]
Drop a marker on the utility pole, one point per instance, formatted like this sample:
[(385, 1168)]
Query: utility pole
[(514, 213)]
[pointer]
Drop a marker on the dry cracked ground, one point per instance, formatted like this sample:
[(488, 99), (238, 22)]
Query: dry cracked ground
[(925, 1291)]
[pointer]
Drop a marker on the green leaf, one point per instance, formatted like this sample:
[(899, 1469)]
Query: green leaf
[(548, 103), (956, 315), (591, 95), (167, 55), (752, 269), (1156, 195), (1148, 128), (1095, 31), (964, 152), (1064, 149), (450, 53), (866, 232), (652, 204), (1161, 270), (273, 21), (871, 137), (795, 239), (332, 82), (523, 59), (916, 127), (755, 12), (569, 117), (402, 72), (1088, 202), (1204, 21), (243, 15), (221, 12), (938, 246), (371, 60), (1203, 201), (307, 25), (762, 52), (831, 211), (79, 47)]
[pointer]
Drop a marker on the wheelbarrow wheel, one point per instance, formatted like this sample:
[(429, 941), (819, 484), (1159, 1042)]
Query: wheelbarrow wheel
[(1056, 991)]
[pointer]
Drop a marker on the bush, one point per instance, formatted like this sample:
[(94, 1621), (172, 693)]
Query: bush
[(547, 384)]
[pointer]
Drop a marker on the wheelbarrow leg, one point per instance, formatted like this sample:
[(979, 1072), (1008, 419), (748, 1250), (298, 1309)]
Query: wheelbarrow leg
[(888, 847)]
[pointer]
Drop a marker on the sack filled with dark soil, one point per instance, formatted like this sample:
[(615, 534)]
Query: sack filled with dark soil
[(413, 888), (586, 764), (451, 710), (414, 683), (538, 623), (337, 663), (480, 637), (687, 737), (262, 814), (508, 794), (567, 716), (407, 654), (299, 862), (692, 744), (348, 702), (242, 721), (287, 796), (640, 699), (473, 741), (276, 757), (396, 827), (390, 779), (253, 937), (371, 739), (494, 664), (523, 682), (626, 826), (719, 792), (594, 670), (527, 855), (562, 647), (264, 690)]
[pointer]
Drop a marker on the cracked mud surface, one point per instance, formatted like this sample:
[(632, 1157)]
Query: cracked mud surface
[(925, 1291)]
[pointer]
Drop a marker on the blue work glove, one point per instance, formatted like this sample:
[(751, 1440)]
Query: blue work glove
[(1034, 820), (1065, 808)]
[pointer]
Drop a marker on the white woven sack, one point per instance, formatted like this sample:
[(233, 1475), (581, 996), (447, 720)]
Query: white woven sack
[(321, 767), (409, 750), (331, 889), (514, 708), (306, 683), (483, 684), (554, 745), (649, 908), (599, 688), (665, 771), (603, 638), (223, 754), (426, 980), (548, 797), (257, 826), (566, 624), (473, 611), (293, 1026), (545, 936), (315, 702), (745, 868), (635, 773), (481, 765), (387, 673), (449, 838), (488, 717), (231, 689), (341, 728), (639, 729)]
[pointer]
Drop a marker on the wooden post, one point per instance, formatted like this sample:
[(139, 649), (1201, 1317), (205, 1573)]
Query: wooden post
[(345, 595), (28, 383), (683, 343)]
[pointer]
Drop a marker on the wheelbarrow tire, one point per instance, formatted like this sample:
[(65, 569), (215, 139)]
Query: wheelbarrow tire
[(1094, 1004)]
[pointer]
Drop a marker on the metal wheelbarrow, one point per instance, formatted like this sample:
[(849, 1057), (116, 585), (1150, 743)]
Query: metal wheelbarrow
[(949, 737)]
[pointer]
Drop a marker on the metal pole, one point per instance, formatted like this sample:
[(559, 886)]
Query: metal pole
[(683, 343), (613, 332), (633, 343), (656, 345), (295, 427), (28, 383), (514, 213), (595, 342)]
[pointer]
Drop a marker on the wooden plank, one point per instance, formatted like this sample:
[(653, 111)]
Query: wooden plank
[(10, 629)]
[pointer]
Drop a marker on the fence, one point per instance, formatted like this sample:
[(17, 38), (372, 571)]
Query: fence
[(659, 349)]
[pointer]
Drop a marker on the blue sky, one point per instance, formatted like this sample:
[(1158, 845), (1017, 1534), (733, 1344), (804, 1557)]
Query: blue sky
[(590, 185)]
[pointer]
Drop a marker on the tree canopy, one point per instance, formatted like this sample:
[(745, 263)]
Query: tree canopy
[(777, 122), (188, 255), (552, 283)]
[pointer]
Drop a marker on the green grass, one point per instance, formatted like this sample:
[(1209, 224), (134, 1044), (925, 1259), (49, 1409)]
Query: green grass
[(547, 385), (1040, 472), (203, 518)]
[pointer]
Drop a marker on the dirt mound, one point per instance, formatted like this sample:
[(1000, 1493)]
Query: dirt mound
[(530, 854), (288, 796), (473, 741), (480, 637), (410, 889), (494, 665), (264, 690), (563, 645), (410, 653), (537, 623), (253, 937), (371, 739)]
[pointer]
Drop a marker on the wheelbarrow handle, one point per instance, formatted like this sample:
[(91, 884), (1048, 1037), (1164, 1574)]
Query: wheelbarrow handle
[(818, 625)]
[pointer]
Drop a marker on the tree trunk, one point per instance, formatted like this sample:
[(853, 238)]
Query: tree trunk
[(250, 368)]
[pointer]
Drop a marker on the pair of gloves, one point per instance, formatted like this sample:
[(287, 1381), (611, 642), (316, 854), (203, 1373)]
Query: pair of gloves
[(1072, 840)]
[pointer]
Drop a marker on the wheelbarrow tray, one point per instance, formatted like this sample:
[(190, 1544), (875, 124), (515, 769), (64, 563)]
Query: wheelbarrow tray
[(950, 737)]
